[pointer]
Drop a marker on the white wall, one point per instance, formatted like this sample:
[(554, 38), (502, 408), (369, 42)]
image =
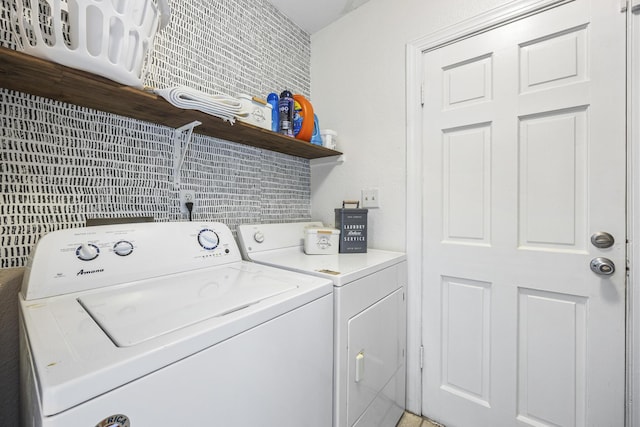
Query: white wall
[(358, 89)]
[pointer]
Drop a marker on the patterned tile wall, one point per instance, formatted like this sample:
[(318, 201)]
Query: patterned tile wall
[(61, 164)]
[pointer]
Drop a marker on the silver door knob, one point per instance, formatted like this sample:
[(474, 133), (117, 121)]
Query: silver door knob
[(602, 240), (602, 266)]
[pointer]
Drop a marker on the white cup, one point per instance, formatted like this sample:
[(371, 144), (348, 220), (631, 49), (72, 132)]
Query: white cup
[(329, 138)]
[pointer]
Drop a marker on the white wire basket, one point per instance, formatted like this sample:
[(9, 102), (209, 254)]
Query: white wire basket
[(111, 38)]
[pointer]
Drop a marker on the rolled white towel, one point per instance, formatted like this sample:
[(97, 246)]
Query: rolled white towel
[(222, 106)]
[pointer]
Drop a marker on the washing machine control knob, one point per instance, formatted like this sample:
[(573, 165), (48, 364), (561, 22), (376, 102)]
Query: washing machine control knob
[(258, 236), (123, 248), (87, 252), (208, 239)]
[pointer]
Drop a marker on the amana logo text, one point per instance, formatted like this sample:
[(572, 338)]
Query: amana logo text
[(83, 271)]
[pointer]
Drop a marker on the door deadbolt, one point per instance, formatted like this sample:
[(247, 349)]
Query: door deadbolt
[(602, 266), (602, 240)]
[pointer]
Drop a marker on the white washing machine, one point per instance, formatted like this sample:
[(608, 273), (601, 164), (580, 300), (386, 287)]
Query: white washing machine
[(163, 324), (369, 319)]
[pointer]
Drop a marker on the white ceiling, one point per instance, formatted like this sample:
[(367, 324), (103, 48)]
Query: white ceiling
[(313, 15)]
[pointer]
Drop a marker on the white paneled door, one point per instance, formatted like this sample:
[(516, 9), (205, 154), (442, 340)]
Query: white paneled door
[(524, 161)]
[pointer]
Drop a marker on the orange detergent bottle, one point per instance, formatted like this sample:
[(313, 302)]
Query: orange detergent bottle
[(303, 118)]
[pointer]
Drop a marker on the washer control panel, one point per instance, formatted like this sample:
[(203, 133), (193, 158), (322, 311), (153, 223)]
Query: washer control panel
[(265, 237), (78, 259)]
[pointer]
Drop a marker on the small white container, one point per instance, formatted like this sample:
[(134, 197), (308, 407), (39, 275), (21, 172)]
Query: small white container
[(255, 111), (321, 241), (329, 138)]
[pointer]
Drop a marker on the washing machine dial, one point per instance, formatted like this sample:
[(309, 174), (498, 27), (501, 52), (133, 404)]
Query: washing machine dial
[(208, 239), (87, 252), (123, 248), (258, 236)]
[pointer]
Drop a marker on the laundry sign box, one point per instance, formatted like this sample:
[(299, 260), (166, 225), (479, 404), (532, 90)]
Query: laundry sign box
[(352, 224)]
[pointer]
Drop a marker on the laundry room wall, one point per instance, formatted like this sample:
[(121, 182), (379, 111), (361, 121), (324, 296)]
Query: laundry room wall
[(358, 89), (62, 164)]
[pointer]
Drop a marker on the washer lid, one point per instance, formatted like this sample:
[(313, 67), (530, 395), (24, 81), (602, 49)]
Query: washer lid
[(156, 307)]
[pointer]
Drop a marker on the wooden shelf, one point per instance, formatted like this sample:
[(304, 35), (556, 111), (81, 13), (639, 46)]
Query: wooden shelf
[(28, 74)]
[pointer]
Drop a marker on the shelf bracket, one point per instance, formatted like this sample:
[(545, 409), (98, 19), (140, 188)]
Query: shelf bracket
[(179, 152), (330, 161)]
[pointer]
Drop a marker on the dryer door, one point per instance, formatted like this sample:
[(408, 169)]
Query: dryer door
[(375, 355)]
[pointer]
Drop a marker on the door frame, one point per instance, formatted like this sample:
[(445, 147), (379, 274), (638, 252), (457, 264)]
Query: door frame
[(633, 212), (502, 15)]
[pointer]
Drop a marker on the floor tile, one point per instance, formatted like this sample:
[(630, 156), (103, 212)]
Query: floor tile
[(411, 420)]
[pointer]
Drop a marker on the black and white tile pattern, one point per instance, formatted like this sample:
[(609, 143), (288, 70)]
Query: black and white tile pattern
[(61, 164)]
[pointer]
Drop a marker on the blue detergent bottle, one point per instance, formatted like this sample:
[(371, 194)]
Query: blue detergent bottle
[(273, 100), (316, 138)]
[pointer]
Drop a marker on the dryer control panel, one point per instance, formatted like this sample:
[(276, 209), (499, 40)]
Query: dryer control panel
[(78, 259)]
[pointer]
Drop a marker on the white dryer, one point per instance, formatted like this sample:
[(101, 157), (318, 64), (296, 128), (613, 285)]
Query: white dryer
[(161, 324), (369, 319)]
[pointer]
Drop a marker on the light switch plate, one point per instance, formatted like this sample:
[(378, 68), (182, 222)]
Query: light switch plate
[(370, 198)]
